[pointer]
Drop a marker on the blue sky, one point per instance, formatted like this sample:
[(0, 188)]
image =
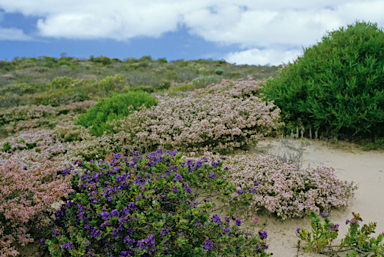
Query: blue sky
[(243, 31)]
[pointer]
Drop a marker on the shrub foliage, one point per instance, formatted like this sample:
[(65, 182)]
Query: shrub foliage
[(115, 107), (338, 84)]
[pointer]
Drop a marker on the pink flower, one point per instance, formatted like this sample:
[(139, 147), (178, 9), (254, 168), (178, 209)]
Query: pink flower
[(255, 220)]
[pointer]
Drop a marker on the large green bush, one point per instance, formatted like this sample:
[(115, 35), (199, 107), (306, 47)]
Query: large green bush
[(114, 108), (337, 86)]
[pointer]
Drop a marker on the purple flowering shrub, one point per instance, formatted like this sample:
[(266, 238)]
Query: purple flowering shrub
[(148, 207), (284, 189), (220, 118)]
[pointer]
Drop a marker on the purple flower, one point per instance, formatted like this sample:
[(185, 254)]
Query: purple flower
[(115, 233), (325, 215), (197, 223), (252, 190), (95, 233), (104, 215), (178, 176), (212, 175), (188, 189), (216, 218), (208, 245), (298, 229), (175, 190), (67, 245), (263, 234), (226, 168), (347, 221), (132, 206), (238, 222), (256, 183), (115, 213), (240, 191), (227, 229)]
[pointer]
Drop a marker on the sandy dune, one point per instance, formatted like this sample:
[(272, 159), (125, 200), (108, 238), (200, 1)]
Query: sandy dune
[(352, 164)]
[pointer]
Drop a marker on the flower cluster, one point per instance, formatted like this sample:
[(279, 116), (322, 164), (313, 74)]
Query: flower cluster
[(145, 207), (284, 189), (222, 117), (24, 194), (27, 117)]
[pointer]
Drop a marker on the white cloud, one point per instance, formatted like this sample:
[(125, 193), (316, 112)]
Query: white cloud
[(276, 26), (269, 56), (13, 34)]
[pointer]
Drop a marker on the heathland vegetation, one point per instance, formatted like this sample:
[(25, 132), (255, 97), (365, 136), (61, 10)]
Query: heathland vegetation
[(138, 151)]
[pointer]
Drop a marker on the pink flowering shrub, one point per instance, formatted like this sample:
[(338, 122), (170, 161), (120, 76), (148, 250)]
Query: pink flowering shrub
[(92, 148), (64, 143), (219, 118), (38, 145), (43, 116), (286, 190), (24, 194)]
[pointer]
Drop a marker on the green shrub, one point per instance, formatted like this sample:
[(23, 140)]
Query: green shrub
[(55, 98), (145, 88), (164, 85), (204, 81), (101, 59), (112, 84), (219, 71), (62, 82), (338, 84), (114, 108)]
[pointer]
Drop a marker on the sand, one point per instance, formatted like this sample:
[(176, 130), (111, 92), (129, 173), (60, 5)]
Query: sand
[(351, 163)]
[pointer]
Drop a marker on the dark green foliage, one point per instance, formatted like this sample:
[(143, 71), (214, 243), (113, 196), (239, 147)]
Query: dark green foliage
[(219, 71), (7, 146), (101, 59), (162, 60), (63, 62), (145, 88), (6, 65), (146, 58), (114, 108), (163, 85), (234, 75), (337, 86)]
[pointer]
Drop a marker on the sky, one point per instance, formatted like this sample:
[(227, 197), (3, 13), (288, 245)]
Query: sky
[(253, 32)]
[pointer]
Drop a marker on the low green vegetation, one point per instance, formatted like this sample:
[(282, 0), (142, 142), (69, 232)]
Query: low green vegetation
[(116, 108)]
